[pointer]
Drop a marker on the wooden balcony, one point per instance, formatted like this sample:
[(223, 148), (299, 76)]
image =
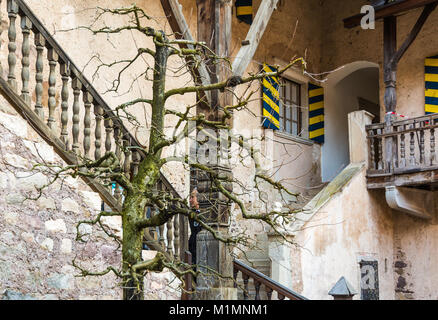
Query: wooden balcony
[(403, 154)]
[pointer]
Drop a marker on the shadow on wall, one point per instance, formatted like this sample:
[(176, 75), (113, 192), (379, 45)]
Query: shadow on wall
[(351, 88)]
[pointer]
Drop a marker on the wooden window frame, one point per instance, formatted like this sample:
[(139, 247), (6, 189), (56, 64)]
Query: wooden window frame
[(290, 103)]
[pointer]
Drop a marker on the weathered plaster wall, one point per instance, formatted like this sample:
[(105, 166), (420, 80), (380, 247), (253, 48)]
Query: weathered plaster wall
[(355, 224)]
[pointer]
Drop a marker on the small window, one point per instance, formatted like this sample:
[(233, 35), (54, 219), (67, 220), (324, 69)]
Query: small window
[(291, 117)]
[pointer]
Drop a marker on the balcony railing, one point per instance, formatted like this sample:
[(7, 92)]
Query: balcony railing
[(404, 147)]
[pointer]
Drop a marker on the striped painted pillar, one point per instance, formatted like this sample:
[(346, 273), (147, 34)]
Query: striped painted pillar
[(271, 100), (316, 113), (431, 75)]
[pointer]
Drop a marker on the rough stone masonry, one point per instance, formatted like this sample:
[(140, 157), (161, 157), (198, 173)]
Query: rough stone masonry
[(37, 237)]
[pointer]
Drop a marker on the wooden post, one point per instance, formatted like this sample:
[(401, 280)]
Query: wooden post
[(390, 74), (214, 28)]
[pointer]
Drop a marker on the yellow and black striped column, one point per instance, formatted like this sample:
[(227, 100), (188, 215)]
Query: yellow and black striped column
[(244, 10), (271, 100), (431, 75), (316, 113)]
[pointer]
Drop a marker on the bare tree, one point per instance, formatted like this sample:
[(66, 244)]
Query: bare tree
[(139, 189)]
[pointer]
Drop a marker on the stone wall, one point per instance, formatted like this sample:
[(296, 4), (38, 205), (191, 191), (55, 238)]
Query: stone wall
[(38, 237)]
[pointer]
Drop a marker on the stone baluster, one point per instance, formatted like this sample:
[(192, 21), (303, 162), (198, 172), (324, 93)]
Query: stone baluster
[(403, 147), (98, 112), (257, 285), (77, 87), (65, 76), (127, 158), (169, 236), (432, 147), (40, 43), (52, 55), (117, 140), (161, 238), (135, 162), (26, 27), (108, 134), (412, 147), (88, 100), (12, 46), (176, 244)]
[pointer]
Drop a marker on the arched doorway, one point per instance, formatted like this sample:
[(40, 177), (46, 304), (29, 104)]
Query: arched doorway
[(351, 88)]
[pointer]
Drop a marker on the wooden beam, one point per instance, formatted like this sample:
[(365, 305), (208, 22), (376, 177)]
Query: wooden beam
[(388, 10), (181, 30), (214, 28), (258, 27), (414, 32)]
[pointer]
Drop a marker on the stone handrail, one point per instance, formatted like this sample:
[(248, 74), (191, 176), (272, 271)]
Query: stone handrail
[(259, 280), (413, 143), (72, 138)]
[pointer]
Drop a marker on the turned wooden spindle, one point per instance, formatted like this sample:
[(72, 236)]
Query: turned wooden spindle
[(88, 100), (12, 46), (412, 161), (403, 148), (77, 87), (98, 112), (245, 287), (269, 293), (40, 43), (432, 147), (65, 76), (52, 56), (422, 145), (372, 150), (380, 150), (26, 26), (257, 285)]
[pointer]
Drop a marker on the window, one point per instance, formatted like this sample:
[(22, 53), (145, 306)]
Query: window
[(291, 117)]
